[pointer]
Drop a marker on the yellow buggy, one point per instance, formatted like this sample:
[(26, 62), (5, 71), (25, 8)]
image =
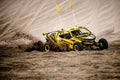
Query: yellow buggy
[(75, 38)]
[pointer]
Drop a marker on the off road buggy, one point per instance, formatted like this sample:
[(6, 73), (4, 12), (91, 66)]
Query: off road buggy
[(75, 38)]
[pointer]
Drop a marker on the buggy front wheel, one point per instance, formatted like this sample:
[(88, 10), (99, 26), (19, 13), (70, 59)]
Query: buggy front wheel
[(103, 44), (77, 47)]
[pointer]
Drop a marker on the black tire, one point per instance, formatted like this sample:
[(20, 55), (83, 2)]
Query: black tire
[(103, 44), (47, 47), (77, 47)]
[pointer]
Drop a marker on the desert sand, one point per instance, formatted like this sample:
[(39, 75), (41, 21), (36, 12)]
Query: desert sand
[(16, 64)]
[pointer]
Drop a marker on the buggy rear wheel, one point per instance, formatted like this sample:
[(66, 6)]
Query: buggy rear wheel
[(47, 47)]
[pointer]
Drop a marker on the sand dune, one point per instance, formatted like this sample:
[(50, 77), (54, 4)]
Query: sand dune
[(33, 17)]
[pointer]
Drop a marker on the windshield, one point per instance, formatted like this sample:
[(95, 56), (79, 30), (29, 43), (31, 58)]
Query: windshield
[(84, 31)]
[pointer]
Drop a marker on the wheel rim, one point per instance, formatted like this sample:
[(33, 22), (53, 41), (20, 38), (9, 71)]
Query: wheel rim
[(101, 44), (47, 48), (76, 48)]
